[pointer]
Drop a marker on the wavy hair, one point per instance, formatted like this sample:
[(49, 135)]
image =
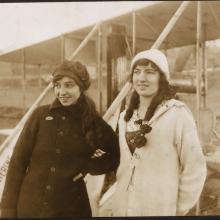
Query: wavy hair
[(89, 116)]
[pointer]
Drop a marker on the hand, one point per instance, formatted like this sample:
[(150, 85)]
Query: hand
[(98, 153)]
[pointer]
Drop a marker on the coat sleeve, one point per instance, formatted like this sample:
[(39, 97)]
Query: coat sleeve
[(107, 141), (17, 167), (192, 162)]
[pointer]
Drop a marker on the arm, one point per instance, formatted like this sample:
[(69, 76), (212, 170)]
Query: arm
[(107, 141), (17, 167), (192, 163)]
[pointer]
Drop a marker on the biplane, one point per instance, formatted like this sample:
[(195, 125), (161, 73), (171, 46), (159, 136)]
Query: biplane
[(108, 47)]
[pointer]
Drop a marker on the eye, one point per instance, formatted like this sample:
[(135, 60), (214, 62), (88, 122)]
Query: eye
[(154, 66), (150, 72), (56, 85), (137, 71), (70, 85)]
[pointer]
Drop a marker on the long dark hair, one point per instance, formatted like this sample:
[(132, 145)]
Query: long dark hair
[(165, 92), (89, 116)]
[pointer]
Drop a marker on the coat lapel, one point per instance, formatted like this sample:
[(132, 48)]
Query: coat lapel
[(164, 107), (122, 135)]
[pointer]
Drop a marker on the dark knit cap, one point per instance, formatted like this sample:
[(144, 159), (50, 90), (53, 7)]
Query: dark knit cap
[(74, 70)]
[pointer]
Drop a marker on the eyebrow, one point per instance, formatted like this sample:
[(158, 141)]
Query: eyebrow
[(69, 82), (153, 69)]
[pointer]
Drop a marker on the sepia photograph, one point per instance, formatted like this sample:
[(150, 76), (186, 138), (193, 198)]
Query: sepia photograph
[(109, 109)]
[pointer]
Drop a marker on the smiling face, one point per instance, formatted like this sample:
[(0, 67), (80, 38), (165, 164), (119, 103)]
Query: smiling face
[(66, 90), (146, 79)]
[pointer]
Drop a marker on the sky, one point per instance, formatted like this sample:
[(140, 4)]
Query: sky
[(22, 24)]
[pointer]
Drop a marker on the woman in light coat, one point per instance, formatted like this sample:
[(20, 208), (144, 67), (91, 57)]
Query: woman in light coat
[(162, 167)]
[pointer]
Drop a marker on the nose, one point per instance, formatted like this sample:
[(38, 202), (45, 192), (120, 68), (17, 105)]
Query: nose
[(142, 76), (62, 90)]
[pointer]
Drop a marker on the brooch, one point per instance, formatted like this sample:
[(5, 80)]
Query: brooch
[(49, 118), (139, 139)]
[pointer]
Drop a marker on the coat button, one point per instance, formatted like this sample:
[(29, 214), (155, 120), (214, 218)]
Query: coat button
[(45, 203), (60, 133), (58, 151), (132, 140), (137, 156), (52, 169), (131, 165), (48, 187), (131, 188), (63, 118)]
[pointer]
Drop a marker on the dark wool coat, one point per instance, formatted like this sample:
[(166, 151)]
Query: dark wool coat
[(50, 151)]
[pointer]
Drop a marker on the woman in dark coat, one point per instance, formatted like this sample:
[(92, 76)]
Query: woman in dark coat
[(59, 144)]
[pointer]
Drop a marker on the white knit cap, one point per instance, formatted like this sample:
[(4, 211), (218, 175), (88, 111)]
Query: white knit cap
[(157, 57)]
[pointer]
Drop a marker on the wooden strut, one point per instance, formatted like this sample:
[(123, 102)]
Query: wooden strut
[(24, 84), (99, 67), (133, 32), (62, 49), (170, 24), (198, 76), (85, 41), (151, 27), (198, 63), (204, 85), (216, 134), (128, 45)]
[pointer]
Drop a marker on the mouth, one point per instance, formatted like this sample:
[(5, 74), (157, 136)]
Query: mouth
[(142, 86), (64, 99)]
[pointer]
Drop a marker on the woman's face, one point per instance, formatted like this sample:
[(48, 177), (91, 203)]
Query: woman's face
[(146, 79), (66, 90)]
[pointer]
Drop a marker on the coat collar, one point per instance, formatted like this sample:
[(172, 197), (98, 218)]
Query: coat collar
[(55, 104), (161, 109), (165, 106)]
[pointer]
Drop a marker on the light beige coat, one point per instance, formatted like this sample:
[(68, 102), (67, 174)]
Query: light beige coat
[(168, 173)]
